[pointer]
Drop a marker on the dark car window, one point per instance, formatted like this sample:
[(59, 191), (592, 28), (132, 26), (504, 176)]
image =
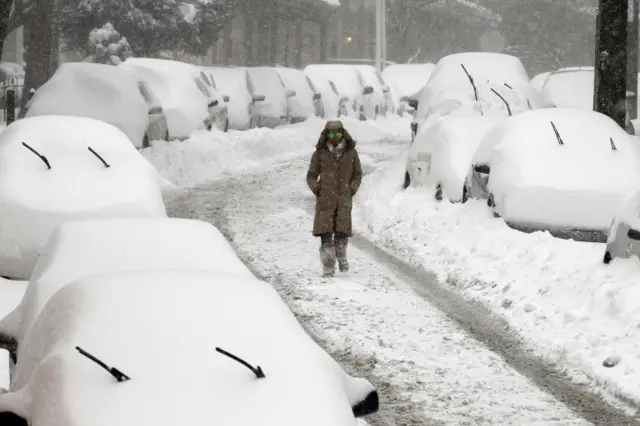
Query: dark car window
[(250, 86), (205, 79), (202, 87)]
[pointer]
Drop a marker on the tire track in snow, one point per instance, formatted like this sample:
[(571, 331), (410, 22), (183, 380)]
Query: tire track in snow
[(238, 204)]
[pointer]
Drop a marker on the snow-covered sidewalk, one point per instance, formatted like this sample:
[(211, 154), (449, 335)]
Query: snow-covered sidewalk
[(557, 294), (429, 370)]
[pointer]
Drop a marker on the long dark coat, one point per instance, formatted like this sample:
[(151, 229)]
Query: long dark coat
[(335, 182)]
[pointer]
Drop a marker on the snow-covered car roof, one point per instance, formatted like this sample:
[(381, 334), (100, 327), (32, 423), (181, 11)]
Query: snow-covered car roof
[(98, 91), (89, 247), (570, 88), (407, 79), (267, 82), (347, 78), (538, 80), (184, 104), (171, 336), (297, 81), (579, 176), (35, 199)]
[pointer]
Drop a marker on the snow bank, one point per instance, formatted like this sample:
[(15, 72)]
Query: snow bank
[(164, 349), (103, 92), (209, 156), (580, 184), (34, 200), (573, 309), (83, 248)]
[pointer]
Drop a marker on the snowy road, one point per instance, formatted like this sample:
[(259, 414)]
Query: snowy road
[(436, 360)]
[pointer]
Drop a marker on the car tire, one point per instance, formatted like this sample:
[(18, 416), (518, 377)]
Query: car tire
[(145, 141), (606, 259), (438, 193), (407, 180), (490, 201)]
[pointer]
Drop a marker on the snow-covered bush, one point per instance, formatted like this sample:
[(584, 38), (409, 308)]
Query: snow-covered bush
[(107, 46)]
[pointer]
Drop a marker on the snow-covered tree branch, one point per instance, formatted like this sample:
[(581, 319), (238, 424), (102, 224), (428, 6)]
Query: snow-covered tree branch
[(107, 46)]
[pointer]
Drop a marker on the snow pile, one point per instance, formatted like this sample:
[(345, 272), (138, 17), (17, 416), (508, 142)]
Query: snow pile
[(581, 183), (243, 316), (103, 92), (574, 310), (211, 155), (34, 199)]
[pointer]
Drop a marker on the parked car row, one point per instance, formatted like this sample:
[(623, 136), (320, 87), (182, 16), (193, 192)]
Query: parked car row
[(540, 161), (123, 303)]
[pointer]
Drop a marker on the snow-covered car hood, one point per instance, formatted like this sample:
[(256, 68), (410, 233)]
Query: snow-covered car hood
[(34, 199), (98, 91), (205, 316), (578, 179)]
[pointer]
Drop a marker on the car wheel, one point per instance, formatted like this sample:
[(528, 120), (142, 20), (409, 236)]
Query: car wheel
[(145, 141), (438, 193), (607, 257), (407, 180)]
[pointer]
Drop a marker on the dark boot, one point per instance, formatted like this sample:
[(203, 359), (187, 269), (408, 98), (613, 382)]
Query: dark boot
[(341, 243), (328, 255)]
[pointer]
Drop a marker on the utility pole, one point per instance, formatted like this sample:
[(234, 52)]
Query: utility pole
[(381, 33), (611, 59), (632, 58)]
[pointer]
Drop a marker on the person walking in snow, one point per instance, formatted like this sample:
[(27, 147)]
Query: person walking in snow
[(334, 177)]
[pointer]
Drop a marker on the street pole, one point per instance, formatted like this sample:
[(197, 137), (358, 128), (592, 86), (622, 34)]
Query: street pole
[(381, 34), (632, 58), (611, 59)]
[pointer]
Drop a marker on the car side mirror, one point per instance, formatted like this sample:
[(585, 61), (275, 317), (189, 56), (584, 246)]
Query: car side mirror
[(155, 110), (213, 103), (369, 405), (290, 93), (258, 98), (482, 168), (316, 96), (225, 98), (367, 90), (633, 234), (413, 103)]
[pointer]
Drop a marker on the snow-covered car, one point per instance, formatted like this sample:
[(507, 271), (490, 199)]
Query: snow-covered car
[(381, 90), (103, 92), (105, 350), (236, 83), (564, 170), (55, 169), (307, 101), (570, 88), (83, 248), (349, 81), (184, 89), (623, 240), (334, 104), (406, 80), (439, 157), (538, 80), (476, 83), (275, 110)]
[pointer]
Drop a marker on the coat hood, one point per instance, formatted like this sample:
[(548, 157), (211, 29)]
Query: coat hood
[(346, 136)]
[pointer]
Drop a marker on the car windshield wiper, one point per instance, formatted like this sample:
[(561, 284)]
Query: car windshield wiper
[(117, 374), (475, 89), (40, 156), (613, 145), (503, 100), (255, 370), (558, 137), (99, 157)]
